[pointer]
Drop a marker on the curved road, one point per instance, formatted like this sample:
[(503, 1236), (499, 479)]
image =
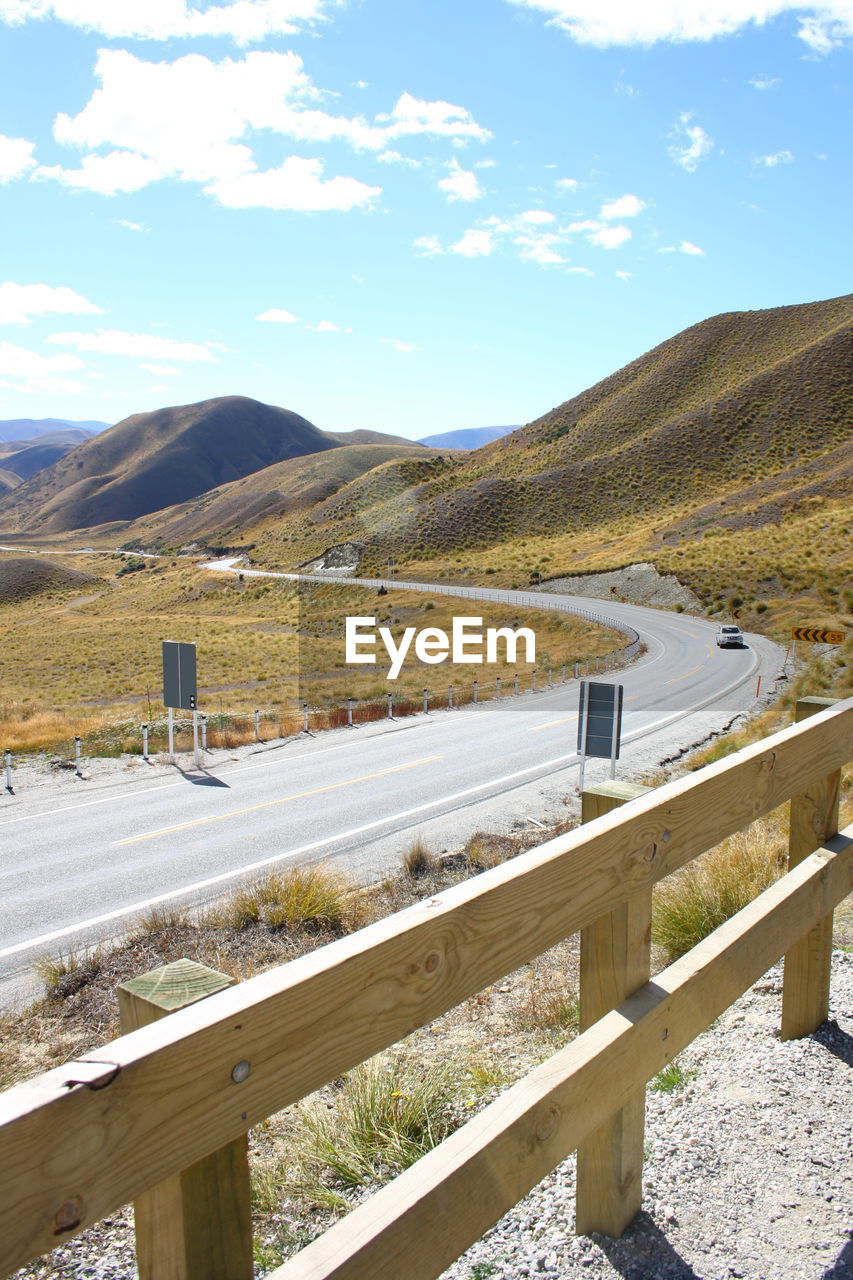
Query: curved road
[(78, 866)]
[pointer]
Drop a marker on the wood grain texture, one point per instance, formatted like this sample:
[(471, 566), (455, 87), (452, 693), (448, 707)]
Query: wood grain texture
[(69, 1155), (197, 1224), (814, 818), (614, 963), (418, 1224)]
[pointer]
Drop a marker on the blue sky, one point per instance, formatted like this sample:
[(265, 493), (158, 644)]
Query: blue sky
[(409, 215)]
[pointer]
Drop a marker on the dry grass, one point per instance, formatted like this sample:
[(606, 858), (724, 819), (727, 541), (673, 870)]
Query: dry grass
[(300, 899), (419, 860), (696, 900)]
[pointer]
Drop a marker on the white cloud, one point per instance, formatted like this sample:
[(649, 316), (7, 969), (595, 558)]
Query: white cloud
[(395, 157), (610, 237), (764, 82), (475, 243), (19, 362), (460, 184), (536, 217), (687, 247), (297, 184), (324, 326), (624, 276), (277, 316), (245, 21), (195, 119), (623, 22), (130, 226), (778, 157), (397, 344), (579, 271), (158, 388), (162, 371), (692, 142), (626, 206), (567, 184), (118, 171), (20, 302), (428, 246), (114, 342), (50, 386), (440, 119), (485, 164), (16, 157)]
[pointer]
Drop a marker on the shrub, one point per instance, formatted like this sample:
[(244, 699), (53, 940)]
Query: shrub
[(419, 860)]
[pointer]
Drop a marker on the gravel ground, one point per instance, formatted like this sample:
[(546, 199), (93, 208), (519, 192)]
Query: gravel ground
[(748, 1171), (749, 1168)]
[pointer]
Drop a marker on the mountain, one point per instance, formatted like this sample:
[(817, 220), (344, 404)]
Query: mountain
[(283, 489), (27, 461), (364, 436), (467, 438), (29, 428), (153, 460)]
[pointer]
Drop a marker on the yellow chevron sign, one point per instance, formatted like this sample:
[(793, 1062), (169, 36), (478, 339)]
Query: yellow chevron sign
[(816, 635)]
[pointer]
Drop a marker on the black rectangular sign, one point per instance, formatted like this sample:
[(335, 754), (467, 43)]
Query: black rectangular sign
[(179, 680), (599, 716)]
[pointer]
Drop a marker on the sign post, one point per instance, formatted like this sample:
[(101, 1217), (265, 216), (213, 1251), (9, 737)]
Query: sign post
[(599, 724), (179, 687)]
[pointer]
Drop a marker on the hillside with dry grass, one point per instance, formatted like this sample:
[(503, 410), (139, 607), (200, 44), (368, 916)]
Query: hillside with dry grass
[(152, 460), (723, 455), (284, 488)]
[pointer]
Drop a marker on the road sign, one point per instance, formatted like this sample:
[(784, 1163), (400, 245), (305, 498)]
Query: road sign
[(600, 720), (817, 635), (179, 678), (736, 613)]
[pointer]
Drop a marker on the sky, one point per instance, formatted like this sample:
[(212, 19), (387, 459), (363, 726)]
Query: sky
[(407, 215)]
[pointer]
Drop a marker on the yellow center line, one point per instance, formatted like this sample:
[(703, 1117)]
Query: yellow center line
[(565, 720), (269, 804), (686, 674)]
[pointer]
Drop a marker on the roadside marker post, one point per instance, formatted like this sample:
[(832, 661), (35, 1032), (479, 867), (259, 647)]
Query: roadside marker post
[(426, 702), (305, 717), (449, 696), (516, 682), (476, 690), (203, 732), (257, 719), (77, 770), (196, 756), (390, 706), (497, 688), (145, 742), (9, 772), (599, 724), (349, 712), (533, 680)]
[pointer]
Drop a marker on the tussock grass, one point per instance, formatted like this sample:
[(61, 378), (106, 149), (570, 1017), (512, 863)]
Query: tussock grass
[(696, 900), (419, 860), (672, 1078), (385, 1115), (298, 899)]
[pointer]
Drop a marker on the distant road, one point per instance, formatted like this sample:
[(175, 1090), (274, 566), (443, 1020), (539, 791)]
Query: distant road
[(77, 867)]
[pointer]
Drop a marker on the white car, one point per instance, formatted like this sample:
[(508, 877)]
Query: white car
[(730, 637)]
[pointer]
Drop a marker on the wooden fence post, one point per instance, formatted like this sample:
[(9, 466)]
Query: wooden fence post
[(814, 818), (196, 1225), (614, 962)]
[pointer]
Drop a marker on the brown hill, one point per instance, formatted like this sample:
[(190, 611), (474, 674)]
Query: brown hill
[(153, 460), (742, 398), (280, 490), (24, 576)]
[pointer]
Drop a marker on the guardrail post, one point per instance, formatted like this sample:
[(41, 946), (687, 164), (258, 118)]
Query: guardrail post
[(814, 818), (196, 1225), (614, 962)]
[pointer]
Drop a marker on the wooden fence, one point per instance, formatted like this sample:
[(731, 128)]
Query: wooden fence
[(159, 1116)]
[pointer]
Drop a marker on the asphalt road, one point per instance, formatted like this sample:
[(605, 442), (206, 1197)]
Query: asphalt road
[(74, 867)]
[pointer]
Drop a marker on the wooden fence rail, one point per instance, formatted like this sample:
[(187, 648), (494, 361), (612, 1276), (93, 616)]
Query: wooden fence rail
[(80, 1141)]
